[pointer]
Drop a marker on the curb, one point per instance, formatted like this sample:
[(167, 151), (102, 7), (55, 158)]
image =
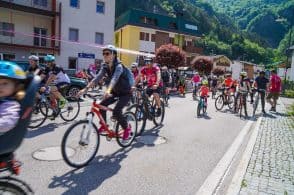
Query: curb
[(235, 185), (216, 177)]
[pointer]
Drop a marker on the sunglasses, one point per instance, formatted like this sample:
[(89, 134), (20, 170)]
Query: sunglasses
[(106, 53)]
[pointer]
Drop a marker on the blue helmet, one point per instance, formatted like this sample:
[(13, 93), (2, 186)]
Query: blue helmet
[(49, 58), (11, 70)]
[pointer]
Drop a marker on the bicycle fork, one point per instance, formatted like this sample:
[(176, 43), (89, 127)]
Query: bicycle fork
[(85, 135)]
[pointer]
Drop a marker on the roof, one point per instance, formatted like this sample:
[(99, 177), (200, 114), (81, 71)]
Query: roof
[(145, 19)]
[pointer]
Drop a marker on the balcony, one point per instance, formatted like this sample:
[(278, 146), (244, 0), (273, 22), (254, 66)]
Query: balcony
[(42, 7), (192, 49), (22, 41)]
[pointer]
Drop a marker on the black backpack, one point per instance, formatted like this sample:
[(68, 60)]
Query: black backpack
[(165, 76)]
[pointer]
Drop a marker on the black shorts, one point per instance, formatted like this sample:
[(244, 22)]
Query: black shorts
[(150, 91)]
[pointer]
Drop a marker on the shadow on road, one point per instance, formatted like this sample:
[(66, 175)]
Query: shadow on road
[(44, 129), (153, 131), (83, 181)]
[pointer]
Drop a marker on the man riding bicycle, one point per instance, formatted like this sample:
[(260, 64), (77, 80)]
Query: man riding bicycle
[(151, 74), (119, 87), (56, 81)]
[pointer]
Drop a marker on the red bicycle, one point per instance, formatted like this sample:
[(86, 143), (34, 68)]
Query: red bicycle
[(81, 141)]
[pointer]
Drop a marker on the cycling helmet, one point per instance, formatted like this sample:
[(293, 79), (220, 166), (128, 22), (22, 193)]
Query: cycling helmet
[(244, 74), (49, 58), (164, 68), (214, 77), (196, 73), (34, 58), (109, 48), (134, 65), (11, 70), (205, 82)]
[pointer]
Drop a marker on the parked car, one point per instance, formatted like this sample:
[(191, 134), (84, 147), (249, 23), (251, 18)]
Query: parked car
[(76, 84)]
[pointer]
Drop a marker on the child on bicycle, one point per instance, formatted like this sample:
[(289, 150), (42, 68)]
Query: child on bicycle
[(11, 91), (204, 90)]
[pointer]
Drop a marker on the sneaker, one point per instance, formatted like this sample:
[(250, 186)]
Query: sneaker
[(272, 109), (127, 131), (62, 103)]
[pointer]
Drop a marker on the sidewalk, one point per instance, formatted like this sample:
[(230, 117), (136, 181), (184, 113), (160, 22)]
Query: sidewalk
[(271, 166)]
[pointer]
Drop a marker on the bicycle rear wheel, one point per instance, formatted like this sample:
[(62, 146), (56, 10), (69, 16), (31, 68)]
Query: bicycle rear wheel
[(13, 186), (219, 102), (71, 110), (132, 122), (140, 116), (84, 139), (39, 115)]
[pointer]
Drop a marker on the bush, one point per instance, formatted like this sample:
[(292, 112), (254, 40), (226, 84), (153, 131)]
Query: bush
[(170, 55), (291, 110), (289, 93)]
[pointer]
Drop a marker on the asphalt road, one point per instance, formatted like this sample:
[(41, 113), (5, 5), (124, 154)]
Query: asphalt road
[(194, 147)]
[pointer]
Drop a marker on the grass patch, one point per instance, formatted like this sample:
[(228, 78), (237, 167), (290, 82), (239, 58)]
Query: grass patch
[(291, 110), (244, 183), (289, 93)]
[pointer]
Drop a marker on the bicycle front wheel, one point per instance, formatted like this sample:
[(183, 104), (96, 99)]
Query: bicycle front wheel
[(83, 138), (219, 102), (199, 109), (158, 117), (71, 110), (13, 186), (140, 116), (132, 122), (39, 115)]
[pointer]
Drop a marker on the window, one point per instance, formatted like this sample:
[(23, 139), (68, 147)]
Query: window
[(72, 63), (100, 7), (99, 38), (171, 40), (8, 56), (144, 36), (43, 3), (39, 33), (153, 37), (172, 25), (74, 34), (75, 3), (6, 29)]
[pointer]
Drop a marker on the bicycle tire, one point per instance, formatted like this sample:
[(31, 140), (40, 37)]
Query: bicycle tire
[(219, 98), (14, 186), (240, 106), (64, 141), (140, 116), (42, 112), (62, 113), (161, 117), (231, 102), (199, 109), (128, 115), (255, 104)]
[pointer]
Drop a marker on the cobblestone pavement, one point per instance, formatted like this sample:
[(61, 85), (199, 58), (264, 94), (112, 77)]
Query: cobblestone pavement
[(271, 167)]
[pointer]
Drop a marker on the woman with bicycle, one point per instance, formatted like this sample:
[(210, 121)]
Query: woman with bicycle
[(243, 88), (119, 87)]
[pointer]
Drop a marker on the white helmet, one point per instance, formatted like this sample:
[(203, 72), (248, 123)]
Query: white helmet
[(33, 57), (134, 65)]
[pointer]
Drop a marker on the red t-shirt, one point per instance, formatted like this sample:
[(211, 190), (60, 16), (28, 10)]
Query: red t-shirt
[(228, 82), (204, 90), (150, 74), (275, 83)]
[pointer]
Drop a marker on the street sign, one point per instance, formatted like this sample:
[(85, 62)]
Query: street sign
[(86, 55)]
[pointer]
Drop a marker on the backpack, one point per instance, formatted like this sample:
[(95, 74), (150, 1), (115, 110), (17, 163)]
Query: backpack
[(165, 76), (129, 75)]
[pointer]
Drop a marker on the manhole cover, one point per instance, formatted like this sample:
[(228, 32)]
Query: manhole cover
[(51, 153), (151, 140)]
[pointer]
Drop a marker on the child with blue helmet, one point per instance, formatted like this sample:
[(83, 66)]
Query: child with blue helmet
[(11, 91)]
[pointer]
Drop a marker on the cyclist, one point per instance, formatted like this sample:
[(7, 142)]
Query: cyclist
[(119, 87), (195, 82), (261, 84), (228, 84), (11, 91), (57, 80), (204, 90), (134, 69), (243, 88), (214, 83), (166, 79), (151, 74)]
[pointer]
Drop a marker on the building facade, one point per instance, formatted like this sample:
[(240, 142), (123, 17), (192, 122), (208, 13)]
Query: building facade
[(72, 30), (145, 32), (26, 27)]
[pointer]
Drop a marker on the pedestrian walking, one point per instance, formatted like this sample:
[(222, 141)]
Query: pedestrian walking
[(274, 90)]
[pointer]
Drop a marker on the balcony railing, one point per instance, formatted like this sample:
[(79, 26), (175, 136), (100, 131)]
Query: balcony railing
[(39, 4)]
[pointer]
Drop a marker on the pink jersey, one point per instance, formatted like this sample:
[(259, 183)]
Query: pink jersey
[(150, 74), (275, 83), (196, 79)]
